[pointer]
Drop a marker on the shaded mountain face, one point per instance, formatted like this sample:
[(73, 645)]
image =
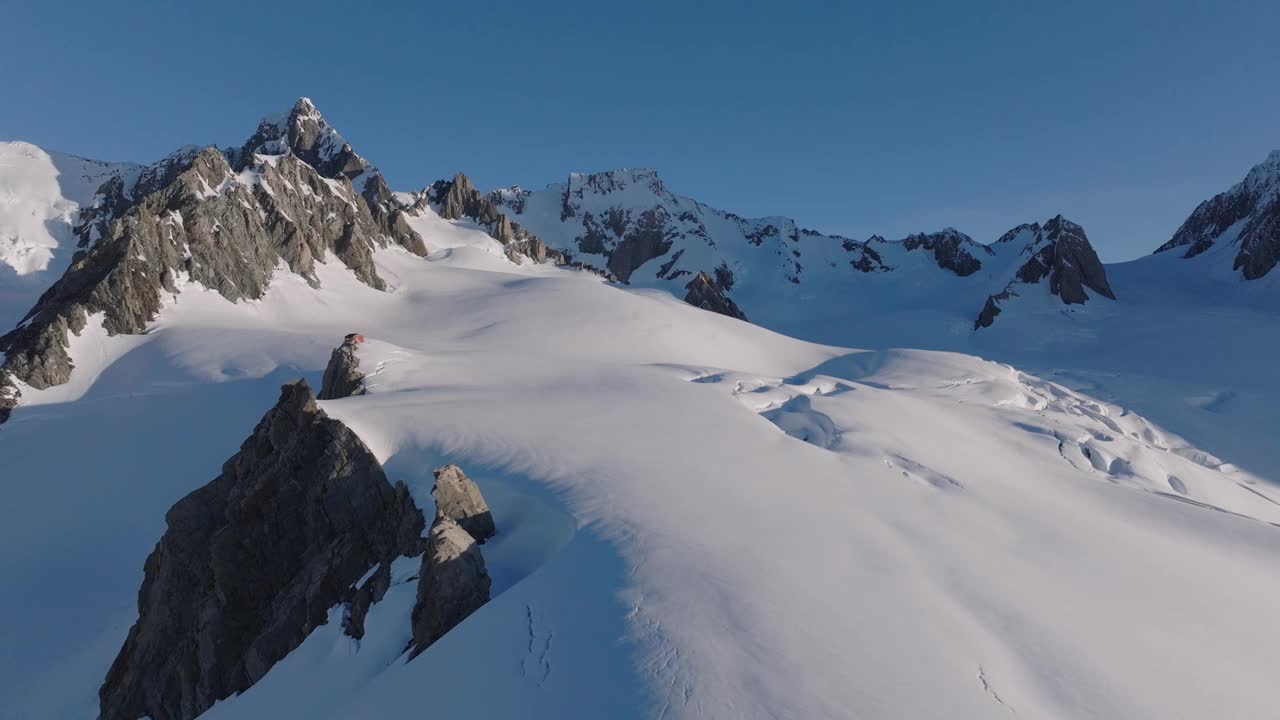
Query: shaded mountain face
[(1246, 217), (1058, 253), (251, 562)]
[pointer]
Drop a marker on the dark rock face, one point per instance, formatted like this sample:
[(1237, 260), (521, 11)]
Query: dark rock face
[(1252, 207), (251, 562), (953, 250), (990, 309), (452, 584), (459, 499), (389, 215), (867, 258), (706, 293), (226, 227), (642, 240), (342, 376), (1059, 251)]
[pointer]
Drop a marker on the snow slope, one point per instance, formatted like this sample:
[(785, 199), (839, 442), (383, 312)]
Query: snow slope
[(698, 517), (40, 195)]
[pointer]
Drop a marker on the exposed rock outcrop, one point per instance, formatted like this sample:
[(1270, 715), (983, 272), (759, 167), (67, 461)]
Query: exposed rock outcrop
[(867, 258), (452, 584), (1059, 252), (991, 308), (458, 498), (370, 592), (251, 562), (706, 293), (1247, 215), (342, 376)]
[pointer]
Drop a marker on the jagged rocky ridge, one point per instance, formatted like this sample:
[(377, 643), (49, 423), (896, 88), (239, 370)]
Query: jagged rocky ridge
[(251, 563), (1247, 216), (646, 234), (1059, 252)]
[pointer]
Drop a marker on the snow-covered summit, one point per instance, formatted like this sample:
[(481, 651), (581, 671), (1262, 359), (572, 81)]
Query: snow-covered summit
[(304, 132)]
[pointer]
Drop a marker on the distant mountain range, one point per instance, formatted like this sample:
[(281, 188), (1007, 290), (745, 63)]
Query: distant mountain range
[(120, 235)]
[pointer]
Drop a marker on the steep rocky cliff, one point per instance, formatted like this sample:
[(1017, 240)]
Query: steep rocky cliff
[(251, 562), (1246, 216)]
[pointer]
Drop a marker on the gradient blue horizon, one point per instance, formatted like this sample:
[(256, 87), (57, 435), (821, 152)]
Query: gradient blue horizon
[(852, 119)]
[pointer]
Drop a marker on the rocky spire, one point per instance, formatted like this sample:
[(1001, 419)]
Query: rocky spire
[(458, 498), (452, 584), (342, 376), (304, 132)]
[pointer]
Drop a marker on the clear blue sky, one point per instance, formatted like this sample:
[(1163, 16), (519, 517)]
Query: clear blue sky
[(880, 117)]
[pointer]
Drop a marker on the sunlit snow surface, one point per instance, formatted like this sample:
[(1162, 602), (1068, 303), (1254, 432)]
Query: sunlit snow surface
[(41, 194), (697, 516)]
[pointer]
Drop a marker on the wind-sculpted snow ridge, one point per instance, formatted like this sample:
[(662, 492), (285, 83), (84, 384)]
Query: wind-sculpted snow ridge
[(1099, 439), (1246, 217)]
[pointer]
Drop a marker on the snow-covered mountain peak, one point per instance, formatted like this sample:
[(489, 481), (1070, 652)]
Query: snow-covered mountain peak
[(1265, 176), (304, 132)]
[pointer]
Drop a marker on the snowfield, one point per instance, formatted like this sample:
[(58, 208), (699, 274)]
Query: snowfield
[(698, 517)]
